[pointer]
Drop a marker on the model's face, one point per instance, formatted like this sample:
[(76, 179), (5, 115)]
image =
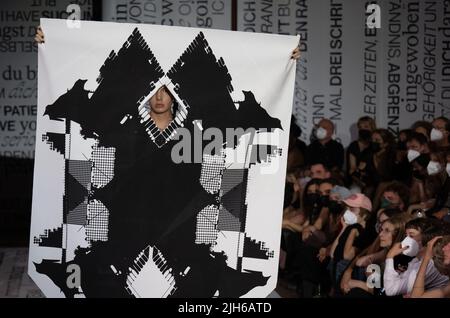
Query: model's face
[(386, 234), (162, 101)]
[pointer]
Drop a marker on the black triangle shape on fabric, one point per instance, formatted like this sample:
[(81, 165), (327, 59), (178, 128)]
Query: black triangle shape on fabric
[(75, 193)]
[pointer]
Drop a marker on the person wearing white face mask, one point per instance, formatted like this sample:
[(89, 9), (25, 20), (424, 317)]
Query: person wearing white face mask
[(325, 148), (417, 145), (433, 168), (419, 232), (343, 250), (440, 133)]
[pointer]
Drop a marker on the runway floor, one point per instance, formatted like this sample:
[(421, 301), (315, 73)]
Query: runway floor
[(15, 282)]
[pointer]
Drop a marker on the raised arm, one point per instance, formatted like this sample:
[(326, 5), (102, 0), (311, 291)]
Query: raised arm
[(419, 284)]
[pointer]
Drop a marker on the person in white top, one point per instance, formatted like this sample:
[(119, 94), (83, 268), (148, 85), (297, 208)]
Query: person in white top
[(398, 282)]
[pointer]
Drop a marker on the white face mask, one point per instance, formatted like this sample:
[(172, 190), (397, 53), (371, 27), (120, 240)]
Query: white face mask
[(321, 133), (350, 217), (447, 168), (436, 135), (413, 248), (433, 168), (413, 154)]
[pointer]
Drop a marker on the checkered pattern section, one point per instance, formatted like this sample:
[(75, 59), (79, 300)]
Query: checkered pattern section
[(97, 222), (231, 178), (78, 215), (102, 165), (212, 171), (81, 171), (227, 221), (206, 232)]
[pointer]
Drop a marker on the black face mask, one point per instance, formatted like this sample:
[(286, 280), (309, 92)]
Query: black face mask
[(313, 198), (376, 147), (364, 134), (324, 200), (334, 207)]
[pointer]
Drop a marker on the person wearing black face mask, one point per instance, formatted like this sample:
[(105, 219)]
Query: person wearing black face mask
[(402, 171), (359, 150), (419, 176), (312, 199), (364, 135), (376, 147), (324, 201), (380, 166)]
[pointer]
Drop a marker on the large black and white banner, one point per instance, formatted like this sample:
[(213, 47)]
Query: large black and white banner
[(215, 14), (398, 73), (122, 208), (18, 67)]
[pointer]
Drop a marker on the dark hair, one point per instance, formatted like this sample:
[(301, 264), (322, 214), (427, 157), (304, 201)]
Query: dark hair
[(310, 183), (398, 221), (390, 212), (325, 165), (420, 138), (386, 135), (401, 189), (446, 120), (407, 132), (331, 181), (369, 120), (288, 194), (419, 224), (433, 228), (423, 124)]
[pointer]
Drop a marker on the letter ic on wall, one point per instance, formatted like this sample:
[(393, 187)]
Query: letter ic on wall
[(374, 19)]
